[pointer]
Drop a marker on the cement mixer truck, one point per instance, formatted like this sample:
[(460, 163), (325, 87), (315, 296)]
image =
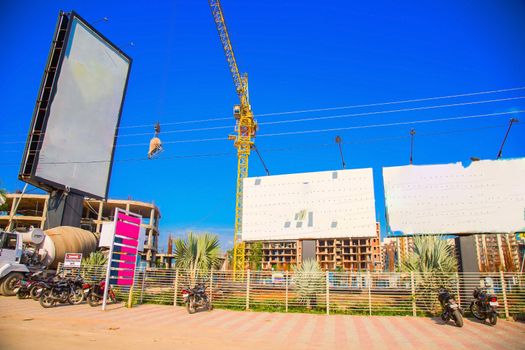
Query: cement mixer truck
[(21, 252)]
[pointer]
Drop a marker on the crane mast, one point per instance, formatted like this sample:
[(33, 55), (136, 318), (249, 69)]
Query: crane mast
[(245, 130)]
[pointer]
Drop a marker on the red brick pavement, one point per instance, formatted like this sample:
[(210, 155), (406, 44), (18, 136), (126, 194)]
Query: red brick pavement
[(25, 324)]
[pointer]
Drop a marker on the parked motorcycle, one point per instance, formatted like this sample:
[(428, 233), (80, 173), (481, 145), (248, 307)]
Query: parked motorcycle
[(24, 286), (451, 309), (62, 291), (196, 297), (36, 289), (96, 294), (485, 306)]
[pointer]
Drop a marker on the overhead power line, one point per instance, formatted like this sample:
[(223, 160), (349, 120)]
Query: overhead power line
[(340, 116), (391, 102), (339, 108), (389, 124), (327, 108)]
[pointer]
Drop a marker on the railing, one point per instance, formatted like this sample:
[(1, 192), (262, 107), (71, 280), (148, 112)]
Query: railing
[(364, 293)]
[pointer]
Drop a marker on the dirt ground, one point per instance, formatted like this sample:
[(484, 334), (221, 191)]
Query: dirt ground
[(24, 324)]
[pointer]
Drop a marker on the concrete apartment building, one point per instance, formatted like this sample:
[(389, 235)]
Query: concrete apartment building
[(31, 210), (494, 252), (346, 254)]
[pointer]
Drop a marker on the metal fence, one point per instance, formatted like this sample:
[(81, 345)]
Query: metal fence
[(365, 293)]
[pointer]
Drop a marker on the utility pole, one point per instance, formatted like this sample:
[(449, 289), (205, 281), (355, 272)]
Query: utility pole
[(338, 140), (512, 121), (412, 133)]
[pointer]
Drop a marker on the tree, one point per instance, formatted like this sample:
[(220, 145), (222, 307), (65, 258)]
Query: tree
[(197, 252), (434, 263), (431, 254), (255, 257), (309, 281)]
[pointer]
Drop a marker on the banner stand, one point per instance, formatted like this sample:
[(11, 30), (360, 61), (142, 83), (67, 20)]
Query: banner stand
[(123, 253)]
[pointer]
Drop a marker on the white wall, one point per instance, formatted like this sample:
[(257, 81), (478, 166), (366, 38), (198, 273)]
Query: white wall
[(324, 204), (487, 196)]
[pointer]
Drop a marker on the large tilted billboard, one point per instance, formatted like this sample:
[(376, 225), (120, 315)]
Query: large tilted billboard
[(486, 196), (72, 137), (328, 204)]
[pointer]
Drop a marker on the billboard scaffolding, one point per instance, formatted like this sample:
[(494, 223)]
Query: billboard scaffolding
[(71, 142)]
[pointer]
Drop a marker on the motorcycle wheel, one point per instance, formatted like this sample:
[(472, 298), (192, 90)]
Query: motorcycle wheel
[(209, 306), (190, 305), (76, 297), (46, 299), (93, 300), (112, 296), (458, 319), (21, 294), (444, 318), (476, 312), (34, 294), (493, 318)]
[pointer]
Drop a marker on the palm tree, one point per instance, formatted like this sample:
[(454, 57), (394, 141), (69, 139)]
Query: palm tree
[(309, 282), (197, 252), (431, 254), (434, 263)]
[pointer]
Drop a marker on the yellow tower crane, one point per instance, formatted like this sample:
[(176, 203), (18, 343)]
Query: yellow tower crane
[(245, 129)]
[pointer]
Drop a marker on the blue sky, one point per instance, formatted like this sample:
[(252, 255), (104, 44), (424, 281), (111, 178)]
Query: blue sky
[(300, 55)]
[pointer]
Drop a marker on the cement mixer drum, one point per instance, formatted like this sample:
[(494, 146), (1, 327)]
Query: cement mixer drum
[(67, 239)]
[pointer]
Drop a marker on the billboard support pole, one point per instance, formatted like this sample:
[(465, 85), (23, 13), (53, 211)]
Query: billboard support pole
[(64, 209)]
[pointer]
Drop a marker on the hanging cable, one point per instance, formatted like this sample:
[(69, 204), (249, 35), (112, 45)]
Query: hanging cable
[(262, 161)]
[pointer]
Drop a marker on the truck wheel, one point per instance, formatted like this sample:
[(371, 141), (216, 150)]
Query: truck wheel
[(9, 283)]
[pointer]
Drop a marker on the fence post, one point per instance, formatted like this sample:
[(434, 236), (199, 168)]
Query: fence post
[(286, 289), (327, 293), (504, 292), (211, 286), (248, 290), (457, 289), (369, 283), (142, 287), (176, 283), (413, 293)]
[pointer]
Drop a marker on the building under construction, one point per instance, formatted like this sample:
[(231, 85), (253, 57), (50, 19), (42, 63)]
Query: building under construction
[(494, 252), (347, 254), (28, 210)]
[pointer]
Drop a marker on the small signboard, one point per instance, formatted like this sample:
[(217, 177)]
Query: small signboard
[(73, 260), (124, 250)]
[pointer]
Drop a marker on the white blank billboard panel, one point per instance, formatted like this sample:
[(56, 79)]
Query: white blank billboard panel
[(78, 143), (485, 197), (325, 204)]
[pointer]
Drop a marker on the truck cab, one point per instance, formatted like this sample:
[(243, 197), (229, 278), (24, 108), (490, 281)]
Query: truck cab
[(11, 269)]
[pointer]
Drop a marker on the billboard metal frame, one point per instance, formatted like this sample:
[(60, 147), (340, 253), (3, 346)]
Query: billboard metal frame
[(49, 79)]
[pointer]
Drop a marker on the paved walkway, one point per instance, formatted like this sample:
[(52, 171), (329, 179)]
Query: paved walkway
[(24, 324)]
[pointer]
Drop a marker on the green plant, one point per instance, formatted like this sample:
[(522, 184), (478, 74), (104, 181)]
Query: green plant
[(309, 282), (255, 257), (431, 254), (433, 262), (197, 252), (95, 259)]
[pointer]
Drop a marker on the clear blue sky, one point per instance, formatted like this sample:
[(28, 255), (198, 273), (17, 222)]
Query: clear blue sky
[(299, 55)]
